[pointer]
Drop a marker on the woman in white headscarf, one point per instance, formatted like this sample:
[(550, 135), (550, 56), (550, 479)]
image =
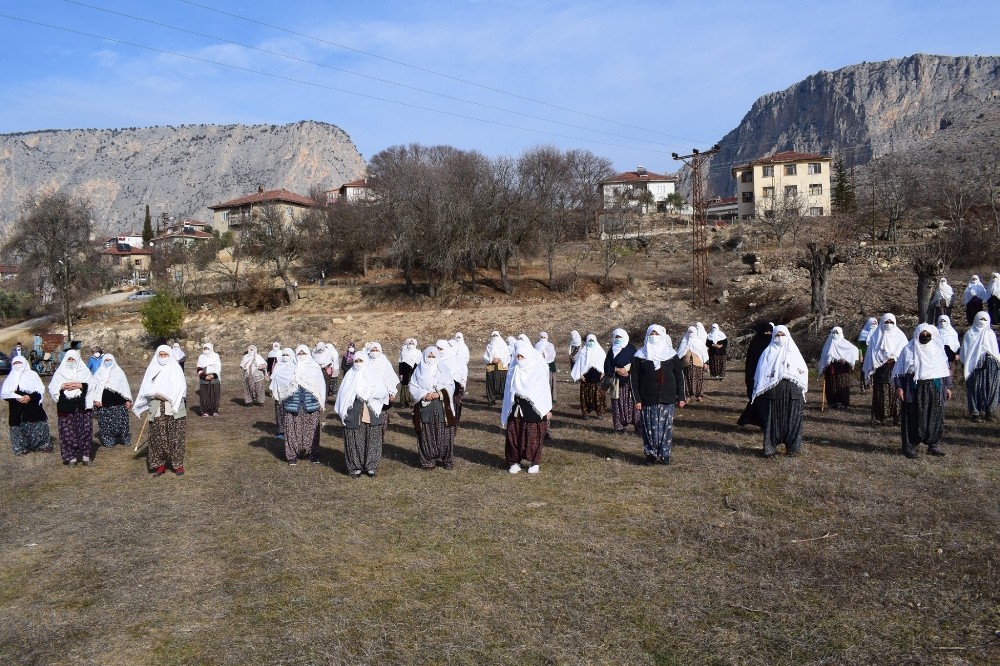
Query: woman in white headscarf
[(941, 298), (616, 369), (885, 344), (462, 348), (381, 366), (162, 393), (948, 337), (718, 344), (981, 363), (693, 352), (272, 357), (112, 400), (779, 391), (497, 357), (29, 426), (866, 331), (450, 356), (178, 354), (975, 298), (575, 345), (588, 371), (284, 364), (361, 403), (409, 357), (511, 344), (254, 373), (432, 388), (922, 383), (657, 379), (209, 371), (72, 389), (326, 358), (301, 388), (526, 410), (836, 367), (993, 297), (548, 352)]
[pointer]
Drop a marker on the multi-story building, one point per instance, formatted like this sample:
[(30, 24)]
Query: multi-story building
[(784, 181), (350, 192), (631, 183), (237, 212)]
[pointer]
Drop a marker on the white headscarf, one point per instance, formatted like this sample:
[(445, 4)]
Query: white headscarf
[(283, 374), (496, 348), (448, 355), (306, 374), (511, 343), (430, 376), (361, 382), (867, 329), (780, 360), (657, 348), (110, 376), (163, 377), (574, 341), (837, 348), (529, 379), (251, 361), (694, 342), (463, 349), (943, 292), (994, 286), (210, 361), (715, 335), (323, 354), (619, 339), (177, 352), (21, 378), (79, 373), (589, 357), (925, 361), (275, 350), (381, 367), (545, 348), (883, 344), (974, 288), (980, 341), (947, 334), (409, 354)]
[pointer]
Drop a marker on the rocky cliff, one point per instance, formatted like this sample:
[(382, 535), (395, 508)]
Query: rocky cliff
[(180, 170), (865, 111)]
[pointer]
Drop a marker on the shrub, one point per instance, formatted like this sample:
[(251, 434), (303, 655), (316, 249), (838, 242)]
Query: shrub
[(162, 316)]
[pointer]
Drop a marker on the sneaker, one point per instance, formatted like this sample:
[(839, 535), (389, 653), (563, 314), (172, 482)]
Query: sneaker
[(205, 415), (160, 471), (354, 475), (72, 463), (179, 471), (86, 460), (909, 454), (293, 463), (370, 473), (665, 460), (533, 469), (315, 462), (280, 435), (515, 468)]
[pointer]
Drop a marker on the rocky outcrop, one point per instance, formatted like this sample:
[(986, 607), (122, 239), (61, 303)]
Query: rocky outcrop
[(865, 111), (180, 170)]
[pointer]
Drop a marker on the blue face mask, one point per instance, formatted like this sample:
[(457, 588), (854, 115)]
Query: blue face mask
[(591, 344)]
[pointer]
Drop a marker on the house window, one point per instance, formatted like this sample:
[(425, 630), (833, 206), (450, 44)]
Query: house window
[(791, 190), (769, 214), (815, 189), (748, 197), (768, 170), (768, 192), (138, 263), (747, 177), (815, 168), (789, 169), (816, 211)]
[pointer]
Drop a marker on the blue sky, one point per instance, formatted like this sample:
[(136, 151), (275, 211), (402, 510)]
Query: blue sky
[(633, 81)]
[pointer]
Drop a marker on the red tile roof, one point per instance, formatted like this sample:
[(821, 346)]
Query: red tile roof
[(636, 177), (360, 182), (727, 201), (783, 157), (7, 269), (180, 233), (271, 196)]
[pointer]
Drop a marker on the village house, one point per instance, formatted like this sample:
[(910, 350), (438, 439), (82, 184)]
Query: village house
[(186, 232), (784, 179), (724, 209), (350, 192), (133, 263), (237, 212), (629, 185)]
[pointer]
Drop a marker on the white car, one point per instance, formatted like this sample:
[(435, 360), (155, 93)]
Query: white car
[(141, 295)]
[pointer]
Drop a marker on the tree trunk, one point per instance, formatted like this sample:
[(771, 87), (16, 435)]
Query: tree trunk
[(364, 264), (551, 262), (504, 276), (928, 272)]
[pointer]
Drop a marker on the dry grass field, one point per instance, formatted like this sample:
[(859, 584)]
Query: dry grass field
[(848, 554)]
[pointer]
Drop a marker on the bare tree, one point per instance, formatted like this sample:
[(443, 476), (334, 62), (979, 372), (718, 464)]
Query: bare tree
[(272, 241), (781, 214), (819, 260), (617, 224), (895, 192)]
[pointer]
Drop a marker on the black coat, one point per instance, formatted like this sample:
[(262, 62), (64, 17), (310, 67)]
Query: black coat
[(651, 386)]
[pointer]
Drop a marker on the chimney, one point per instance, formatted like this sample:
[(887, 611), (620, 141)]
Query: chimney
[(260, 189), (640, 170)]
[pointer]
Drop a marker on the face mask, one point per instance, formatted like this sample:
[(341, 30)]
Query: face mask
[(302, 357), (162, 360), (107, 364), (286, 359), (889, 325), (780, 340), (374, 354), (924, 339), (837, 336), (981, 324), (97, 355), (351, 349), (591, 344), (653, 339), (71, 364), (431, 360)]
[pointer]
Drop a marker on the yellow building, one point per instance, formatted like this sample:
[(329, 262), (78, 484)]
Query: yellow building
[(784, 181), (238, 212)]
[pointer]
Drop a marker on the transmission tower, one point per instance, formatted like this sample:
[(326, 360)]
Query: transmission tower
[(699, 236)]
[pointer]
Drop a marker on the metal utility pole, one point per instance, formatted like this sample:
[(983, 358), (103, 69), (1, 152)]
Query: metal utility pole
[(699, 238)]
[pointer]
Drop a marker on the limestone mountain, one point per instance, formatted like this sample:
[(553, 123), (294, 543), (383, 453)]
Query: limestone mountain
[(180, 170)]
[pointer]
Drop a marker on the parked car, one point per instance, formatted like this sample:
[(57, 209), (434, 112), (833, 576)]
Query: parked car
[(4, 364), (141, 295)]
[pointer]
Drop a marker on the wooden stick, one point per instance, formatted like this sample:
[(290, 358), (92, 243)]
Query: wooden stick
[(825, 536), (138, 440), (822, 391)]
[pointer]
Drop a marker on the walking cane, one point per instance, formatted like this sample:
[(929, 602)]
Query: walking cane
[(822, 389), (138, 440)]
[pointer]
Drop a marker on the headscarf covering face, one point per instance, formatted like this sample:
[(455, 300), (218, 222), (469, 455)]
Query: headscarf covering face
[(980, 341), (926, 360), (209, 360), (657, 346), (575, 341), (283, 374), (21, 378), (944, 292), (163, 377), (715, 335), (409, 354), (450, 356), (868, 329), (497, 348), (431, 376), (251, 361), (529, 379), (323, 355), (619, 340), (947, 334), (837, 348), (177, 352), (885, 342), (72, 369), (111, 377), (973, 289), (781, 360), (463, 349), (592, 355), (993, 289), (545, 348), (694, 342), (275, 350), (306, 374), (381, 368), (361, 381)]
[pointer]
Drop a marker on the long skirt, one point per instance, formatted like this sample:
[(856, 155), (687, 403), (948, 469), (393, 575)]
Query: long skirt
[(972, 308), (76, 436), (623, 411), (658, 430), (781, 415), (436, 442), (592, 398), (114, 426), (332, 384), (838, 389), (253, 390), (209, 394), (993, 308), (167, 441), (279, 418), (496, 382), (717, 365), (301, 436), (457, 399), (694, 380), (922, 421), (405, 399), (863, 381), (33, 436), (983, 388), (885, 403), (362, 448), (524, 440)]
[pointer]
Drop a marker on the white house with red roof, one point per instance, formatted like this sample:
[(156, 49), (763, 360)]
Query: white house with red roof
[(349, 192), (769, 183), (631, 183), (236, 212)]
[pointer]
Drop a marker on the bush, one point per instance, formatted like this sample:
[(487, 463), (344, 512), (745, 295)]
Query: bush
[(162, 316)]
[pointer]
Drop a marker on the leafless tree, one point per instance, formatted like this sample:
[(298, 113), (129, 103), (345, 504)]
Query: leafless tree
[(272, 241), (781, 214), (895, 192)]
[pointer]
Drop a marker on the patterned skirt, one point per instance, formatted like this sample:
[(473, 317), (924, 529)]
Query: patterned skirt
[(332, 384), (279, 417), (167, 442), (592, 398), (983, 387), (363, 448), (76, 435), (209, 394), (694, 381), (838, 389), (623, 411), (496, 382), (922, 421), (33, 436), (717, 365), (253, 390), (863, 381), (658, 429), (524, 440), (114, 426), (301, 436), (436, 442), (885, 403)]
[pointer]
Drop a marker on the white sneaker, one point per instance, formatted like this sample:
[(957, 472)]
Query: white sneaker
[(515, 468), (533, 469), (86, 460)]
